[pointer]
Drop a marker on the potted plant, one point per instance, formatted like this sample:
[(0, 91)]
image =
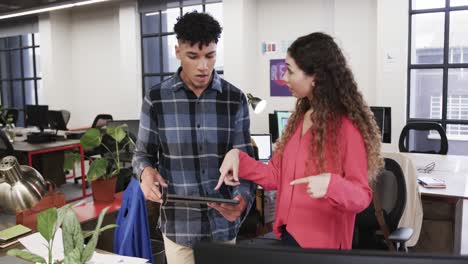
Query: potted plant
[(74, 247), (103, 171), (6, 122)]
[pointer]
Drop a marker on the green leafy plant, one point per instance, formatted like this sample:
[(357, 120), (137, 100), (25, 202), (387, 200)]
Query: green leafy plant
[(109, 165), (48, 222), (75, 250), (73, 238), (5, 120)]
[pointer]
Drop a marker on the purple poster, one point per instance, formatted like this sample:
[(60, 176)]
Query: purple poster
[(278, 87)]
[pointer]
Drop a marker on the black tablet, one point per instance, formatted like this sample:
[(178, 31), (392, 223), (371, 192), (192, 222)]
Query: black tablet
[(173, 198)]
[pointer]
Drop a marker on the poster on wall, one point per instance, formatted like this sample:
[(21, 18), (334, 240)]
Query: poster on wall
[(278, 87)]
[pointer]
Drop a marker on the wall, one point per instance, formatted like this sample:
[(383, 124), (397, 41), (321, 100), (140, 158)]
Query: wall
[(90, 56), (391, 82), (91, 63), (352, 23)]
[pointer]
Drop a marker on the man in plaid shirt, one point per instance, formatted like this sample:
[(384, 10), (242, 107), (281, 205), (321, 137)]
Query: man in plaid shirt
[(187, 124)]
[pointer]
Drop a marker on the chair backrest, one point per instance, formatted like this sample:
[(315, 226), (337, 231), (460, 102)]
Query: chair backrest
[(101, 120), (66, 116), (6, 148), (423, 126), (391, 191)]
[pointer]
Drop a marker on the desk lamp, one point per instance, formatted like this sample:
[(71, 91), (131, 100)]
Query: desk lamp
[(21, 186), (258, 105)]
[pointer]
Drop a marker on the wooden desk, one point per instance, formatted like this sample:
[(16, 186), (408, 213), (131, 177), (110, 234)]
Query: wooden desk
[(87, 214), (41, 148), (454, 171)]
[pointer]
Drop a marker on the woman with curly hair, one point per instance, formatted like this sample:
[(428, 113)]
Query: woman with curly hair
[(327, 156)]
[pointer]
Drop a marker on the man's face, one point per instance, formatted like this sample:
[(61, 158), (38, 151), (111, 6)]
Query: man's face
[(197, 64)]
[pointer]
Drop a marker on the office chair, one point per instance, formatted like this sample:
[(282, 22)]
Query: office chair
[(6, 148), (390, 196), (101, 120), (423, 126)]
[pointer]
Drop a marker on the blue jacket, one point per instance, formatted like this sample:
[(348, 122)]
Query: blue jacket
[(131, 237)]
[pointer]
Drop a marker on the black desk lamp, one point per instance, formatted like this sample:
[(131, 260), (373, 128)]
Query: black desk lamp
[(258, 105)]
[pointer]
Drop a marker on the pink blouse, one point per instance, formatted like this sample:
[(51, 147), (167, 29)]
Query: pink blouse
[(327, 222)]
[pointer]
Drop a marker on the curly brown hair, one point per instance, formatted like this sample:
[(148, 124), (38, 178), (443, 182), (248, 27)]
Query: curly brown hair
[(334, 96)]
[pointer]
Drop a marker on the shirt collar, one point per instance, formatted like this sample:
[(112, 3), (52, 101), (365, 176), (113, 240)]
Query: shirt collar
[(214, 85)]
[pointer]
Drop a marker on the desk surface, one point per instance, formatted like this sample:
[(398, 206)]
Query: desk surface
[(452, 169), (91, 210), (24, 146)]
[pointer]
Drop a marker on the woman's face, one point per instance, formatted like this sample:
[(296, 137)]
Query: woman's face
[(300, 84)]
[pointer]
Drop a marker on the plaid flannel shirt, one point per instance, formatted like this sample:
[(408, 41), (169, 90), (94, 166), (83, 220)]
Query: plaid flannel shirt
[(185, 138)]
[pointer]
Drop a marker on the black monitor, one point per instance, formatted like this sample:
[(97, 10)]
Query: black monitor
[(383, 117), (277, 122), (207, 253), (37, 115), (56, 120)]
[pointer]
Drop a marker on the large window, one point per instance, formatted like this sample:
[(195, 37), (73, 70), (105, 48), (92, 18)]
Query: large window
[(158, 39), (438, 70), (20, 74)]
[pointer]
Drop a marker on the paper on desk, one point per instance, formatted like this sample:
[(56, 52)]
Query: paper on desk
[(36, 244), (99, 258)]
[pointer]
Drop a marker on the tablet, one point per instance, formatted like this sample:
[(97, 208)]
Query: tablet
[(198, 200)]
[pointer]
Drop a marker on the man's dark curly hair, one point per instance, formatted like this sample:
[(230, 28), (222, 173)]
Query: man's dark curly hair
[(194, 27)]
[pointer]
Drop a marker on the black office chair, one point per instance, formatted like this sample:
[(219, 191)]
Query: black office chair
[(423, 126), (101, 120), (390, 190), (6, 148)]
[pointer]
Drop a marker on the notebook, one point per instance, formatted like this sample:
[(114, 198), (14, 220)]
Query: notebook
[(13, 232), (430, 182)]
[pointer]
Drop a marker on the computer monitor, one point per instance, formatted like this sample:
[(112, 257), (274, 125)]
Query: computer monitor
[(263, 142), (383, 117), (212, 253), (37, 115), (56, 120), (132, 125), (277, 122)]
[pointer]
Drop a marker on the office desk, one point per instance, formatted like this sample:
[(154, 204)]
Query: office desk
[(454, 171), (87, 214), (34, 149)]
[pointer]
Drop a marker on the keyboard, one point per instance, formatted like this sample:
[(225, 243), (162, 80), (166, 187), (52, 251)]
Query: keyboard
[(41, 137)]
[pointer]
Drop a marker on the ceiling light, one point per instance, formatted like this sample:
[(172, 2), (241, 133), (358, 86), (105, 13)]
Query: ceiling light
[(51, 8)]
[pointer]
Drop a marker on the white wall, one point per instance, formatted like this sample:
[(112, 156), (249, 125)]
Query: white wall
[(392, 39), (356, 32), (352, 23), (91, 63), (91, 60)]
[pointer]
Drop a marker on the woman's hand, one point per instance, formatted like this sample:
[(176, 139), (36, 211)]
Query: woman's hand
[(229, 169), (317, 185)]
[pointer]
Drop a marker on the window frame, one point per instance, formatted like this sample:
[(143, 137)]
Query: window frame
[(22, 79), (445, 66)]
